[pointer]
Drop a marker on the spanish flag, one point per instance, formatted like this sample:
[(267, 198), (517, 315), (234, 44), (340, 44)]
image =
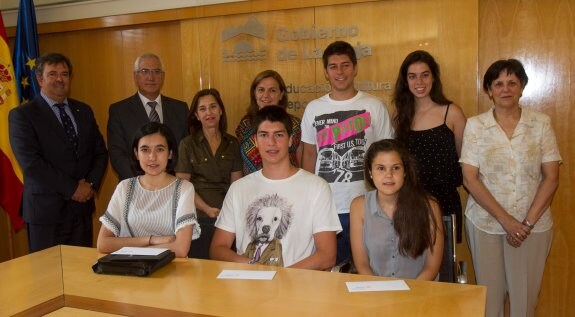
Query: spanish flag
[(10, 173)]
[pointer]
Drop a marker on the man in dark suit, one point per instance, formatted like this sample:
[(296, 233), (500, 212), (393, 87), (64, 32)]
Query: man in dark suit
[(63, 158), (128, 115)]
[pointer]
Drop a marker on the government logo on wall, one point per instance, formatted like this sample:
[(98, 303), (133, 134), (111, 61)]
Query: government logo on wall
[(247, 42)]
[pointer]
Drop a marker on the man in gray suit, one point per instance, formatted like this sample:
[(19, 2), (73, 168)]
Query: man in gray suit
[(128, 115)]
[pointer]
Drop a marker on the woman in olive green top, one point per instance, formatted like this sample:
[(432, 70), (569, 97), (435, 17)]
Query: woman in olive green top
[(209, 158)]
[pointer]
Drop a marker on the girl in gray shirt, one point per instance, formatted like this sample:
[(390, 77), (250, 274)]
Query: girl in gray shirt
[(396, 229)]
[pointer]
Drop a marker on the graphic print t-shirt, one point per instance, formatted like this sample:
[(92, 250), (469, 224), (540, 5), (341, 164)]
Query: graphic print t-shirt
[(258, 208), (342, 132)]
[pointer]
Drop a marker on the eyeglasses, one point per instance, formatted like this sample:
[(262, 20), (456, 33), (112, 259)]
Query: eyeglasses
[(154, 72), (54, 75)]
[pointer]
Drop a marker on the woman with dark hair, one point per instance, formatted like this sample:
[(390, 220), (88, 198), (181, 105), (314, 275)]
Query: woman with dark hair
[(154, 209), (267, 89), (396, 229), (510, 162), (431, 127), (210, 159)]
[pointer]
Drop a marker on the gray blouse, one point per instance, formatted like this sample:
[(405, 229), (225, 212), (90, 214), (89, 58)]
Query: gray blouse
[(381, 243)]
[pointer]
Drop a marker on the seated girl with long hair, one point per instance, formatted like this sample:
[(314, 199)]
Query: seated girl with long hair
[(396, 229)]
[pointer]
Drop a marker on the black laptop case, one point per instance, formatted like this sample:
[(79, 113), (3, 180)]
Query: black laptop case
[(135, 265)]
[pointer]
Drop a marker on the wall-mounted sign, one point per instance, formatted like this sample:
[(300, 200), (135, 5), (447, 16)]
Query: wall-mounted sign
[(246, 42)]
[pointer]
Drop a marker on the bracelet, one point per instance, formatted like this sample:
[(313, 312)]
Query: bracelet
[(150, 240), (528, 224)]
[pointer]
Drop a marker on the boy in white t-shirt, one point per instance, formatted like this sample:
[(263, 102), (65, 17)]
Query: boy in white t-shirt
[(337, 130), (280, 215)]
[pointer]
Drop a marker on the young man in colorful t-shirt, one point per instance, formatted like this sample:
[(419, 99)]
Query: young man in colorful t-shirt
[(337, 130)]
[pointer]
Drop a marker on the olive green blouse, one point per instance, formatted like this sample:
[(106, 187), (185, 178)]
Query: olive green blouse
[(210, 173)]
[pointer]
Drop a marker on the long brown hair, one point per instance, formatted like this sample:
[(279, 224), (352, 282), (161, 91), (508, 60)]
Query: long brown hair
[(404, 100), (413, 215)]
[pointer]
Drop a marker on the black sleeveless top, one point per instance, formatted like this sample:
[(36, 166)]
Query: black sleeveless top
[(436, 155), (438, 168)]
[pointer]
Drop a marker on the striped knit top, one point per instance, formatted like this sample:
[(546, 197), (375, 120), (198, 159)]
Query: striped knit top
[(134, 211)]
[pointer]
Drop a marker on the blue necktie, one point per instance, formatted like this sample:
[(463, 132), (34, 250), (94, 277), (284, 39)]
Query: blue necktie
[(68, 127)]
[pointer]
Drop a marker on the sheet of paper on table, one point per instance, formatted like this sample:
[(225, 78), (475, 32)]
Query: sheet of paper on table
[(246, 275), (377, 286), (139, 251)]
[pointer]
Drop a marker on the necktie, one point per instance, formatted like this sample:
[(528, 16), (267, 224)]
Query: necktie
[(68, 127), (258, 253), (154, 117)]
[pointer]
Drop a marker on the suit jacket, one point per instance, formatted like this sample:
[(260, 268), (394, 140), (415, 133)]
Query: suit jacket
[(272, 255), (50, 167), (127, 116)]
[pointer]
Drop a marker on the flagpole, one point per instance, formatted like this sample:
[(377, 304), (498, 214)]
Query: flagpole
[(10, 241)]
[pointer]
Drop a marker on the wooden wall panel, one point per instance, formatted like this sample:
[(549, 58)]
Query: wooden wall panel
[(6, 244), (542, 36)]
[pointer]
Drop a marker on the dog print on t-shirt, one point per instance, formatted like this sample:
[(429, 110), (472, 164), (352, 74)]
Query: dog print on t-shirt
[(268, 220)]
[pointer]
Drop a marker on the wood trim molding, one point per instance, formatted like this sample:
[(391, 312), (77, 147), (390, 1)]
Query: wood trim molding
[(120, 308), (250, 6), (44, 308)]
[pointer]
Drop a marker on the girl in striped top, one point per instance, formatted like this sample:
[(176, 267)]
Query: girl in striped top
[(154, 209)]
